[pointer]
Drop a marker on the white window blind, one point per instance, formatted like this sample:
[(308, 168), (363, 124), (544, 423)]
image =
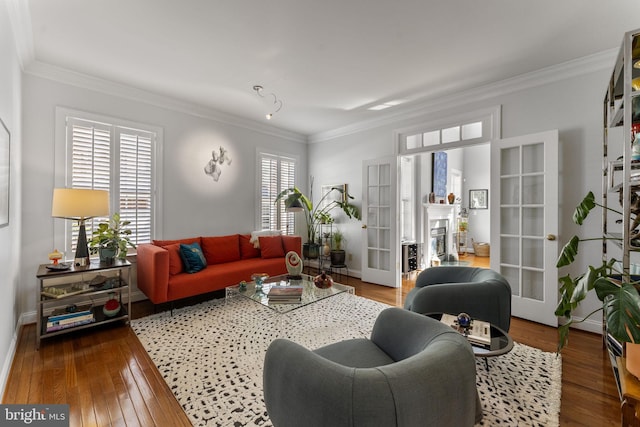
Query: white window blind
[(118, 159), (276, 174)]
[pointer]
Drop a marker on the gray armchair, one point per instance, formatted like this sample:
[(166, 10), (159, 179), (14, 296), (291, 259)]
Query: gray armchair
[(414, 371), (480, 292)]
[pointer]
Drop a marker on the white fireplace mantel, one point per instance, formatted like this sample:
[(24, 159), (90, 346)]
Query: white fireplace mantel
[(434, 212)]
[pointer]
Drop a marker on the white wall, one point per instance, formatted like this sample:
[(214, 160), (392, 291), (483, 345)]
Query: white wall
[(192, 203), (572, 105), (10, 236)]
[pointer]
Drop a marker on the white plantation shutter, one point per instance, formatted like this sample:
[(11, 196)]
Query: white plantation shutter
[(135, 189), (90, 163), (118, 159), (276, 174)]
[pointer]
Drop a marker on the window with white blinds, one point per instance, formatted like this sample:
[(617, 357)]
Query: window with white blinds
[(277, 173), (118, 159)]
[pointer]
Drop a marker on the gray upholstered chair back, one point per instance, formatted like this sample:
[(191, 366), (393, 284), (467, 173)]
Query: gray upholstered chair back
[(482, 293), (414, 371)]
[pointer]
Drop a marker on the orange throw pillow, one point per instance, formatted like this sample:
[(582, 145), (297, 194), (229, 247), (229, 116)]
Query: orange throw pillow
[(271, 247), (175, 261)]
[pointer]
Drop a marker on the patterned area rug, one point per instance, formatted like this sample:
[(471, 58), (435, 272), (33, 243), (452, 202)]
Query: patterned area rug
[(211, 356)]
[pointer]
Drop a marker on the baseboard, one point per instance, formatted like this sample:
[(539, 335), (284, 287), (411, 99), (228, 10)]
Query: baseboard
[(11, 354), (588, 325)]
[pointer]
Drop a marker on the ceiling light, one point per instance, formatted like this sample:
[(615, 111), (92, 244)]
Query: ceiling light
[(387, 104), (277, 103)]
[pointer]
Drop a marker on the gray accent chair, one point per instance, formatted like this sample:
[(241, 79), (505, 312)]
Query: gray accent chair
[(480, 292), (414, 371)]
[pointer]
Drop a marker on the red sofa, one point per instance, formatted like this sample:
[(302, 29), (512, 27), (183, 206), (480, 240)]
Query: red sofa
[(230, 259)]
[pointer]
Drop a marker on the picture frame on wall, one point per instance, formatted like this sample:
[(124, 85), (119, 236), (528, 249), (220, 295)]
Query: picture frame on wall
[(479, 199), (336, 196), (5, 173), (439, 167)]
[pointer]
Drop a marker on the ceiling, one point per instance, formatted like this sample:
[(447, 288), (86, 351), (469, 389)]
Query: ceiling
[(328, 61)]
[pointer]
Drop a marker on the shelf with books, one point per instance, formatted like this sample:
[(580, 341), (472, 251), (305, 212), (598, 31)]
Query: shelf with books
[(74, 299)]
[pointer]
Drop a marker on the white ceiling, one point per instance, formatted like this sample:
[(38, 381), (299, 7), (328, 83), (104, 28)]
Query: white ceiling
[(328, 60)]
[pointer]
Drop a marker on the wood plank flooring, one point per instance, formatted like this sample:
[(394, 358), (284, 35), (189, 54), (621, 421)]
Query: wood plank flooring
[(108, 379)]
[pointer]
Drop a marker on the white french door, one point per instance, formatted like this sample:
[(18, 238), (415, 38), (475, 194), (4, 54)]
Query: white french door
[(524, 222), (380, 222)]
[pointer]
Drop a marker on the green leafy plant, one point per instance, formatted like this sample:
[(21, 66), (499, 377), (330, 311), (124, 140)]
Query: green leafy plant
[(313, 214), (338, 239), (112, 235), (620, 298)]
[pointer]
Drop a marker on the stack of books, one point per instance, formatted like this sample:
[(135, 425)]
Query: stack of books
[(63, 318), (291, 294)]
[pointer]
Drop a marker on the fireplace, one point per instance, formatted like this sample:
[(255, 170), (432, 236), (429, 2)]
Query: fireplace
[(439, 239), (439, 219)]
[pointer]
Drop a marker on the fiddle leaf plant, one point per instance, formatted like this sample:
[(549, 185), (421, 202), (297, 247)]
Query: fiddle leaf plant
[(112, 235), (620, 300)]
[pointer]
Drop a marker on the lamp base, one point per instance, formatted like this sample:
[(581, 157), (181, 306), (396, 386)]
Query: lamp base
[(82, 249)]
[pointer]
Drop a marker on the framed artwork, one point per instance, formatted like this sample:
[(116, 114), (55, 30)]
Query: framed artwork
[(478, 199), (439, 167), (336, 196), (5, 139)]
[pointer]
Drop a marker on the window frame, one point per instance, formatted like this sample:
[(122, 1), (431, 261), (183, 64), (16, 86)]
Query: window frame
[(63, 167), (264, 153)]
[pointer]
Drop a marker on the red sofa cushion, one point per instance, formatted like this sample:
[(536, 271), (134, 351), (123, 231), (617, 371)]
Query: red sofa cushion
[(271, 247), (221, 249), (246, 247), (291, 243), (175, 261)]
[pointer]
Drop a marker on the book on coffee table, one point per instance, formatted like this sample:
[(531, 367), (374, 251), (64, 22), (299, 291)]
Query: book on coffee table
[(285, 292), (479, 333)]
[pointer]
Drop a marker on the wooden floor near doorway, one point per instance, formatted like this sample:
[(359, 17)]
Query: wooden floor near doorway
[(108, 379)]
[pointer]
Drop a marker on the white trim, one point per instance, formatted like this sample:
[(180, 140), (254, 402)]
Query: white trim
[(10, 355), (434, 102), (84, 81)]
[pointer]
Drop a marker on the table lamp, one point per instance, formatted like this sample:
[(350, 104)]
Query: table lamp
[(80, 204)]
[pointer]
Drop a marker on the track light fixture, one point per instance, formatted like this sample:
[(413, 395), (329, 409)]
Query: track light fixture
[(277, 103)]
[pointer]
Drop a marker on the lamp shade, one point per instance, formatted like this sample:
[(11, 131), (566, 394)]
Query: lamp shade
[(76, 203)]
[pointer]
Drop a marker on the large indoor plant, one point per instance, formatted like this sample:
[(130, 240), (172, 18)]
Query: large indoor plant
[(293, 198), (111, 239), (619, 297)]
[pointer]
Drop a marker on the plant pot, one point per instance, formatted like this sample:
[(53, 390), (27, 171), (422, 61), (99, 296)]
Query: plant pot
[(107, 255), (338, 257), (311, 250)]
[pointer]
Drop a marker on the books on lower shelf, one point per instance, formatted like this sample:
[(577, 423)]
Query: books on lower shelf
[(65, 318), (479, 333), (285, 294)]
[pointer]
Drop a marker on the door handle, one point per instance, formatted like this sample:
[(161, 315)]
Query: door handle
[(364, 226), (551, 237)]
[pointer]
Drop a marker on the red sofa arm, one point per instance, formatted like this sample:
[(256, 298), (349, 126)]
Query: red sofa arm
[(153, 272)]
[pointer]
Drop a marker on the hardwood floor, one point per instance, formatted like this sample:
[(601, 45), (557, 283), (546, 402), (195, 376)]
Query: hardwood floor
[(107, 378)]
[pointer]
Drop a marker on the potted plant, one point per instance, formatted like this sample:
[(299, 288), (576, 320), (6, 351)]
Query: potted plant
[(313, 214), (111, 239), (619, 296), (338, 255)]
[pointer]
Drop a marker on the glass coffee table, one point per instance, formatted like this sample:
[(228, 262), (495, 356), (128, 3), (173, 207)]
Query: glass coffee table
[(310, 293)]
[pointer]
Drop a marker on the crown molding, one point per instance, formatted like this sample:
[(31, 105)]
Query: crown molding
[(85, 81), (20, 19), (431, 104)]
